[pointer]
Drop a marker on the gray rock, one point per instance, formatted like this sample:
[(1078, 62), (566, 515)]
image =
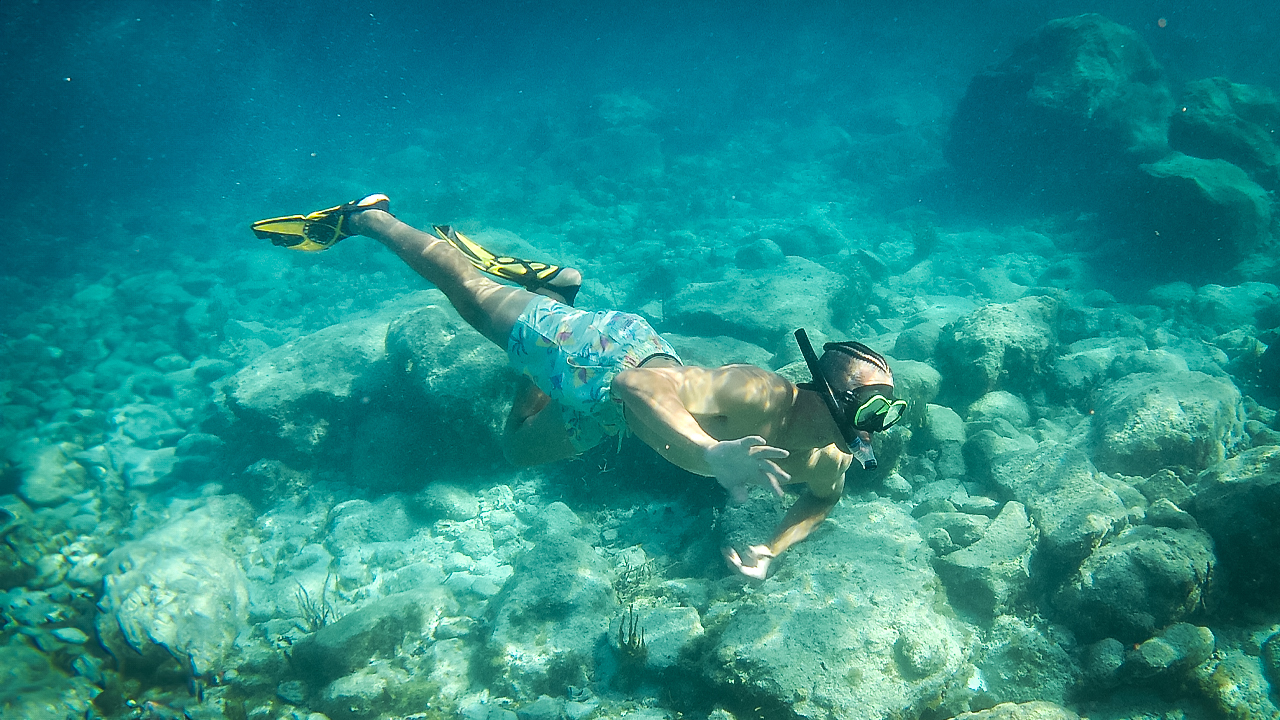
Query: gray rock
[(1073, 510), (1230, 121), (1271, 659), (446, 366), (1237, 686), (300, 392), (918, 384), (848, 626), (1237, 502), (1034, 710), (376, 630), (718, 350), (1193, 201), (918, 342), (760, 307), (148, 468), (990, 576), (1145, 579), (669, 633), (1022, 664), (1177, 648), (963, 529), (999, 347), (1003, 405), (146, 425), (179, 590), (1102, 662), (356, 522), (367, 693), (942, 425), (1087, 363), (549, 618), (1092, 90), (49, 476), (1165, 485), (759, 254), (544, 708), (441, 500)]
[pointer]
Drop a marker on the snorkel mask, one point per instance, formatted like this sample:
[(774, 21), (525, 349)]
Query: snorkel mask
[(869, 408)]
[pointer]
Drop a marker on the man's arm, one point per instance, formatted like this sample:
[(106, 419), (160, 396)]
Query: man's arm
[(710, 421), (806, 514)]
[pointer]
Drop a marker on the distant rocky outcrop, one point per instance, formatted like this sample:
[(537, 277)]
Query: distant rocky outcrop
[(1068, 115)]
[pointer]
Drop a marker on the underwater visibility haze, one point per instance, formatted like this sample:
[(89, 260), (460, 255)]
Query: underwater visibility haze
[(242, 481)]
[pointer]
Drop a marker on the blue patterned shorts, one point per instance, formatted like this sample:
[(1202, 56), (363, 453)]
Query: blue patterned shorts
[(573, 355)]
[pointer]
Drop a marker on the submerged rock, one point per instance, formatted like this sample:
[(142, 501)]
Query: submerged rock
[(1073, 510), (851, 625), (990, 575), (1148, 421), (1145, 579), (1035, 710), (377, 630), (550, 617), (760, 307), (1237, 502), (300, 392), (1022, 663), (999, 347), (1207, 209), (179, 590), (1082, 98), (1237, 123)]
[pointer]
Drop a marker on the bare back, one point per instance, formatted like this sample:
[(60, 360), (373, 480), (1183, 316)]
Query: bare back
[(727, 403)]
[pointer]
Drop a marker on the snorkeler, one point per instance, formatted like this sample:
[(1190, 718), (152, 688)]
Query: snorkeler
[(589, 376)]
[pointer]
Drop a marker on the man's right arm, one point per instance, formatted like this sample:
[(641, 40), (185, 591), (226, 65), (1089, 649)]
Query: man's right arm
[(740, 400), (658, 416)]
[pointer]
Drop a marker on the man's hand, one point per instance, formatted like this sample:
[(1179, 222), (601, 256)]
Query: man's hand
[(739, 464), (757, 563)]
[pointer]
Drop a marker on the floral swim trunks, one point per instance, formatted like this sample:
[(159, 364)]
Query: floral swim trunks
[(572, 355)]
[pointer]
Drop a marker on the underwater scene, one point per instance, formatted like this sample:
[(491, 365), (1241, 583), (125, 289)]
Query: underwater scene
[(560, 360)]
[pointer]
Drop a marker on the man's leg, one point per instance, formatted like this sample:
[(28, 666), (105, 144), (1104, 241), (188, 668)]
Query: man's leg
[(487, 305), (534, 432)]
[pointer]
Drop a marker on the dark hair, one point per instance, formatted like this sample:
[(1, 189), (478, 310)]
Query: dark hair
[(839, 359)]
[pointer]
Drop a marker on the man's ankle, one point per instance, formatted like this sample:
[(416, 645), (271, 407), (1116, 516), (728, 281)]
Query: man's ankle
[(367, 221)]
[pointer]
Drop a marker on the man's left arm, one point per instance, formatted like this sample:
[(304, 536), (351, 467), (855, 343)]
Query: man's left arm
[(802, 518)]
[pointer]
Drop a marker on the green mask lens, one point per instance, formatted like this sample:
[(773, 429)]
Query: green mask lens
[(873, 408)]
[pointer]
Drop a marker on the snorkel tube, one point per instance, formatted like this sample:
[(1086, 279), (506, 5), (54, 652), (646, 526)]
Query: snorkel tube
[(860, 449)]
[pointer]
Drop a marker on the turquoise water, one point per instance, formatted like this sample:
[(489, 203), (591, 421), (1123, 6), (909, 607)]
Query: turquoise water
[(240, 481)]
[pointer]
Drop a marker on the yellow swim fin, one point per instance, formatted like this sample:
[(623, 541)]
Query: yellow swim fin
[(319, 230), (528, 274)]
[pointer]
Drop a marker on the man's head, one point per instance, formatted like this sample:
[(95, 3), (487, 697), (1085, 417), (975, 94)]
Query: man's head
[(856, 384), (862, 383)]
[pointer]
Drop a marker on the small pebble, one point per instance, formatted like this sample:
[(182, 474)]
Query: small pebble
[(71, 635)]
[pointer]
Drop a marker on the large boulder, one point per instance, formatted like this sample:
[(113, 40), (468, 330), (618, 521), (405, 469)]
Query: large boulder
[(1072, 508), (1147, 421), (1237, 502), (1072, 111), (395, 399), (1145, 579), (179, 590), (550, 617), (1003, 346), (990, 576), (301, 392), (761, 307), (1209, 210), (850, 626), (1217, 118), (377, 630)]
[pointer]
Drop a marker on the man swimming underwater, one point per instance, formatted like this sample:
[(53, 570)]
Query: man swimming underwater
[(588, 376)]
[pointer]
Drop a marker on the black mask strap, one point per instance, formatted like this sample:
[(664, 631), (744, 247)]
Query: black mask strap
[(823, 388)]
